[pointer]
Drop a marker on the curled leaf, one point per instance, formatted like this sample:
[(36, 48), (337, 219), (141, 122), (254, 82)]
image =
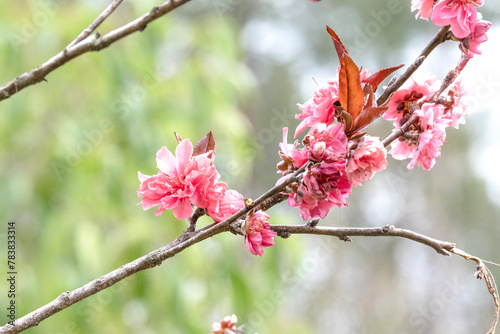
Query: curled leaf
[(364, 119), (204, 145), (375, 79)]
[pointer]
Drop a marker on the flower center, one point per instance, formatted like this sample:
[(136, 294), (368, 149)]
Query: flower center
[(404, 105)]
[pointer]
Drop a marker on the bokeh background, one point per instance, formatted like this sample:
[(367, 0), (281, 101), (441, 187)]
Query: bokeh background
[(70, 149)]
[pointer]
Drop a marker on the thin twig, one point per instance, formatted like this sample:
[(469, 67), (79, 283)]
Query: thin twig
[(94, 43), (484, 272), (198, 212), (442, 247), (97, 22)]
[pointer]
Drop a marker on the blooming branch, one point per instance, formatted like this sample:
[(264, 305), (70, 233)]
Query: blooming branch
[(318, 174), (150, 260)]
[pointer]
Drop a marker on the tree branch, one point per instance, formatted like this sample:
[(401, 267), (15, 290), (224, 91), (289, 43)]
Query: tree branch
[(94, 43), (100, 19), (343, 233)]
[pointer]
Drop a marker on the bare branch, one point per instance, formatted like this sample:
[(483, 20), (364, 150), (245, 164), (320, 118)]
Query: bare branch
[(94, 43), (442, 247), (100, 19)]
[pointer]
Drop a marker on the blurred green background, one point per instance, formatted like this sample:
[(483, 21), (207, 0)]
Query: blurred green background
[(70, 149)]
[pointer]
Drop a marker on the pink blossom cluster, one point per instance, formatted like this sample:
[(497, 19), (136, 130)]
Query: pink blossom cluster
[(226, 326), (423, 140), (258, 233), (466, 23), (186, 180), (338, 162)]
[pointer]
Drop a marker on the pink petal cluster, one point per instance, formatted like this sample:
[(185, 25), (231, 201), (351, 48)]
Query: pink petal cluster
[(422, 142), (326, 142), (324, 186), (226, 326), (466, 23), (257, 233), (414, 89), (472, 44), (326, 183), (369, 158), (319, 108), (460, 14), (424, 8), (428, 147), (292, 157), (230, 203), (455, 110), (186, 180)]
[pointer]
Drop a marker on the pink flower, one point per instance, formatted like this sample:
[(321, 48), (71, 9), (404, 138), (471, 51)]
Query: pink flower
[(369, 158), (460, 14), (203, 175), (326, 142), (226, 326), (424, 8), (292, 158), (414, 89), (169, 189), (181, 181), (258, 233), (319, 108), (475, 39), (309, 206), (230, 203), (429, 137), (321, 179), (324, 186)]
